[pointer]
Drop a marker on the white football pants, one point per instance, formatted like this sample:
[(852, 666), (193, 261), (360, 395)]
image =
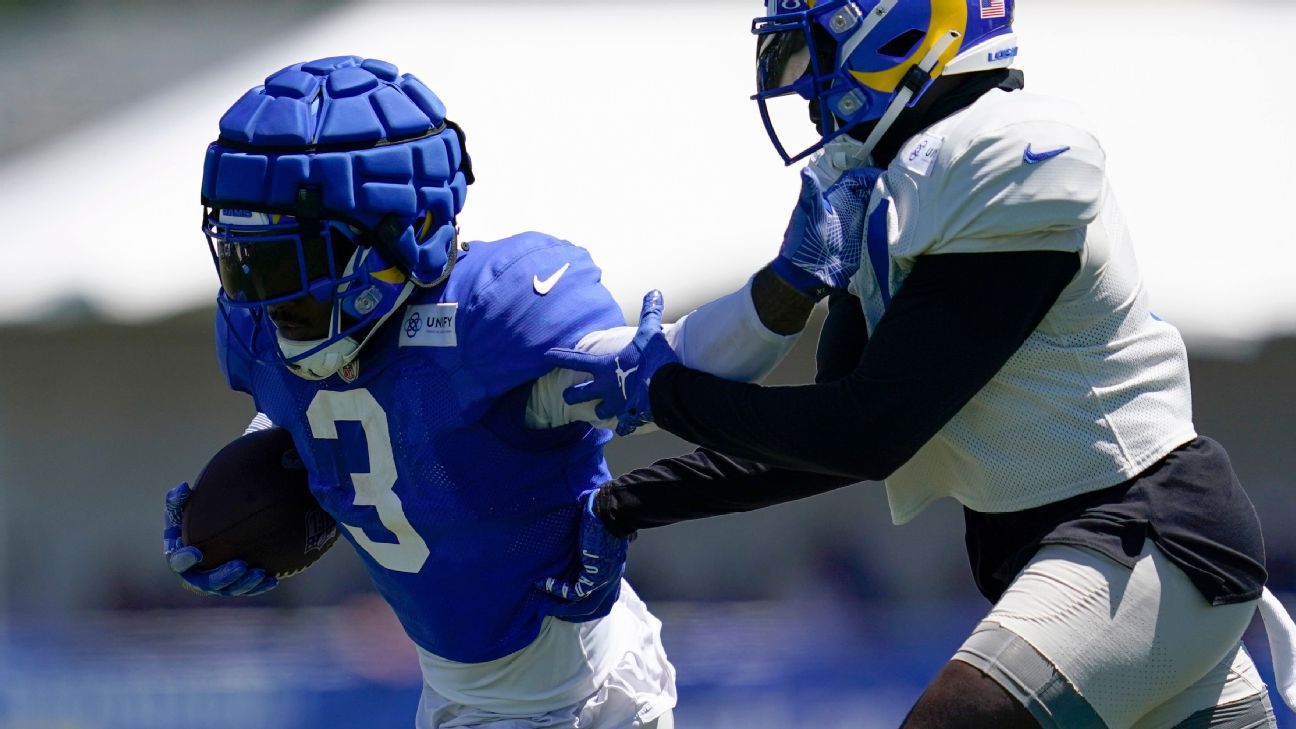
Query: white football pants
[(1086, 642)]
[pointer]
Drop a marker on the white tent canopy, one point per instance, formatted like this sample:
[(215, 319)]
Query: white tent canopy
[(627, 129)]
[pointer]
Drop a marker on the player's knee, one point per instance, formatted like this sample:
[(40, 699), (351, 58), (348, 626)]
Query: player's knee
[(962, 697)]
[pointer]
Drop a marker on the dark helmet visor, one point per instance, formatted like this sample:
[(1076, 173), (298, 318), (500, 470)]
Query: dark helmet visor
[(273, 258), (782, 59)]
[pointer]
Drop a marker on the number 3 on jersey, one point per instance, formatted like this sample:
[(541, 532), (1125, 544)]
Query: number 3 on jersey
[(374, 488)]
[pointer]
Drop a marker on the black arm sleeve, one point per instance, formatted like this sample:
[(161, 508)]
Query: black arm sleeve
[(842, 338), (701, 484), (949, 329)]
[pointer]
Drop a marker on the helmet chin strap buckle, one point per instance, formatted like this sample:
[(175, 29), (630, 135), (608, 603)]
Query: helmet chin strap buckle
[(915, 80)]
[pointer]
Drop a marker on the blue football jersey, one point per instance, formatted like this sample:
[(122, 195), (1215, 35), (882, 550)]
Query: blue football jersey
[(420, 449)]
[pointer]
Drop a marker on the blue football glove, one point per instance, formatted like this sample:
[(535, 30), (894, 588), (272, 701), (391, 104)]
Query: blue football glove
[(621, 380), (597, 580), (822, 244), (228, 580)]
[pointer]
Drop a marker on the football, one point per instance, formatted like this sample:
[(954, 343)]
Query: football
[(252, 501)]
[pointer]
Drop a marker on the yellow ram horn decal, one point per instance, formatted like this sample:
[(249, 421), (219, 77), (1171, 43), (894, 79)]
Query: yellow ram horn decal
[(946, 15), (389, 275)]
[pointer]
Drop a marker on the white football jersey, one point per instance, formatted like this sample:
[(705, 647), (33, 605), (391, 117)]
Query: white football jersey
[(1100, 390)]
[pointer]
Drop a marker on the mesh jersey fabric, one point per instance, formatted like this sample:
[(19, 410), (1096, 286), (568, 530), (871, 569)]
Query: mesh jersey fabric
[(1100, 390)]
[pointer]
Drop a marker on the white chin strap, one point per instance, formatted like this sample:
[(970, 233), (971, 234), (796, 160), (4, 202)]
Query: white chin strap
[(907, 93), (328, 360), (841, 154), (319, 365)]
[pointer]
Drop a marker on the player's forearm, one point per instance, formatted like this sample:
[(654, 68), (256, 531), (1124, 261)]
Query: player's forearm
[(828, 428), (725, 337), (699, 485), (782, 309), (951, 327), (729, 338)]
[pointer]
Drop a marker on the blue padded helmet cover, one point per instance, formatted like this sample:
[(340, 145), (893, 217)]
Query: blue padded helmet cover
[(350, 139)]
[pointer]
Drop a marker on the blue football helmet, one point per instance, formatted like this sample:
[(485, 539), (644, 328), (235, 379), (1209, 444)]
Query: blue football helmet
[(864, 61), (331, 193)]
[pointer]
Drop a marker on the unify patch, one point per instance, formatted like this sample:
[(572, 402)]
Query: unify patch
[(429, 325)]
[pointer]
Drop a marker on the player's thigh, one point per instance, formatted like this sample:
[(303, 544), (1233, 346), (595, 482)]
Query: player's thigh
[(1084, 641), (962, 697)]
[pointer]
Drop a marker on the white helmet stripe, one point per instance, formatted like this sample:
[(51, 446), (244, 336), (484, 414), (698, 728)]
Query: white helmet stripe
[(997, 52)]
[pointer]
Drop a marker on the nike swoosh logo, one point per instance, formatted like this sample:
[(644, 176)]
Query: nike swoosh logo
[(1031, 158), (543, 287)]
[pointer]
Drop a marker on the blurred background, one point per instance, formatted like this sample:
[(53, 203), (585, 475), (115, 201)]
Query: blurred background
[(624, 126)]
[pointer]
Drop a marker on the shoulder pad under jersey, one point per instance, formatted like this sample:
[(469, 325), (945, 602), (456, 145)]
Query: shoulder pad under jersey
[(518, 298), (1012, 165)]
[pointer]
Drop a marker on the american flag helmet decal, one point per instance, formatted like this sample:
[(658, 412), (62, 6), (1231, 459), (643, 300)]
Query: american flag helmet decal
[(992, 9)]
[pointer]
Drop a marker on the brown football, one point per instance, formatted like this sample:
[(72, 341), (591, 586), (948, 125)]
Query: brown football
[(252, 501)]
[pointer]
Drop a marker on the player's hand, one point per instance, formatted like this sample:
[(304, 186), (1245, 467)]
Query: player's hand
[(621, 380), (821, 247), (596, 581), (228, 580)]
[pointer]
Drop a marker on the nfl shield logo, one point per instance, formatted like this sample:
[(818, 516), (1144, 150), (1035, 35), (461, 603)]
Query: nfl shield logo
[(320, 530), (350, 371)]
